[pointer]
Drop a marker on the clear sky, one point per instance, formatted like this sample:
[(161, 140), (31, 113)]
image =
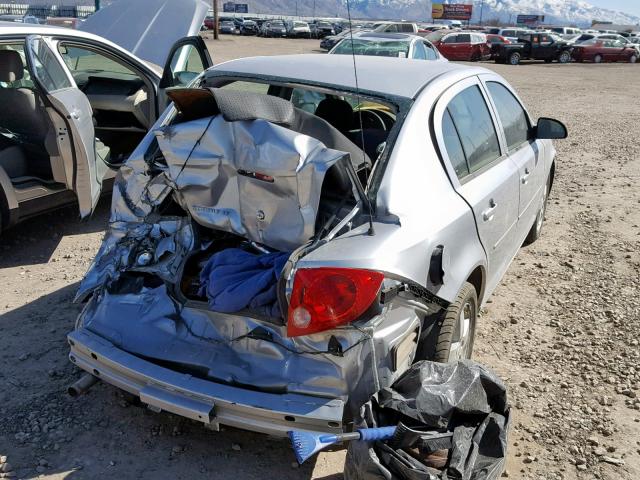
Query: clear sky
[(627, 6)]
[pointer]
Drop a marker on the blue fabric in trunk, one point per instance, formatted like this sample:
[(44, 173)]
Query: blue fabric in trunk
[(234, 280)]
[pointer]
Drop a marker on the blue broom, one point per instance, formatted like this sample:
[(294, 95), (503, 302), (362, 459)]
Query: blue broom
[(306, 444)]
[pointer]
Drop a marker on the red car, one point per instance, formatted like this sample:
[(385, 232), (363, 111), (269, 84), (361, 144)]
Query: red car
[(467, 46), (604, 50), (495, 41)]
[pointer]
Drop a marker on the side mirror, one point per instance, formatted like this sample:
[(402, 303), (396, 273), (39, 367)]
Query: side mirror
[(550, 129)]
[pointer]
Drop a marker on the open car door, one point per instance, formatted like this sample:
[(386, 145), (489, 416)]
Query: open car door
[(187, 59), (83, 175)]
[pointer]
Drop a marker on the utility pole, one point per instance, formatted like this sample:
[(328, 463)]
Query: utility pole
[(216, 32), (481, 8), (97, 3)]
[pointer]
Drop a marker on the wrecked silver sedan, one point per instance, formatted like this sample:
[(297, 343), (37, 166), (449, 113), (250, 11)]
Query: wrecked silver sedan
[(286, 242)]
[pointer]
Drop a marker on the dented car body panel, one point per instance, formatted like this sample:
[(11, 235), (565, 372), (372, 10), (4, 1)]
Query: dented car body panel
[(142, 330)]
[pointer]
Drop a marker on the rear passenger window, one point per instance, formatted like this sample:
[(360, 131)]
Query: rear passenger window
[(453, 146), (512, 115), (430, 51), (475, 128), (464, 38)]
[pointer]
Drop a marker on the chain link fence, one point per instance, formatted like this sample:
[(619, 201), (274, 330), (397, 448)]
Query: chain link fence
[(45, 11)]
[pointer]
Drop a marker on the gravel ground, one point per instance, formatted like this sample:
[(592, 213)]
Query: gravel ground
[(562, 329)]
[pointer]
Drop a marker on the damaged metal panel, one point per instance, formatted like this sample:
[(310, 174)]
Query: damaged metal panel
[(252, 178)]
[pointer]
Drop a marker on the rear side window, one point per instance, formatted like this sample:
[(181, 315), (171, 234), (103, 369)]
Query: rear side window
[(450, 39), (453, 146), (419, 51), (430, 51), (407, 28), (475, 128), (512, 115), (464, 38)]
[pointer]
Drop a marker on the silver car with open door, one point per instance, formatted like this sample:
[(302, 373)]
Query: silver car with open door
[(285, 243), (75, 105)]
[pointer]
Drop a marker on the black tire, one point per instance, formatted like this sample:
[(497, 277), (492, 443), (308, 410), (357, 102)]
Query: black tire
[(449, 332), (514, 58), (565, 57), (536, 228)]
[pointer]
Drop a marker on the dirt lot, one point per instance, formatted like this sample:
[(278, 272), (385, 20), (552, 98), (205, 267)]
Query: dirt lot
[(562, 329)]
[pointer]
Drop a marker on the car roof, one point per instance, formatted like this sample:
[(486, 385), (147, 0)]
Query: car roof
[(403, 77)]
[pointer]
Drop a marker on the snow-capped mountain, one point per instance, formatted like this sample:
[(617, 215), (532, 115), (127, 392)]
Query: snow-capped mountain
[(556, 11), (578, 12)]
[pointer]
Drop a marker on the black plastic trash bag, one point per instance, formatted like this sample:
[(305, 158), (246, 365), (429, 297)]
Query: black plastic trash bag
[(463, 402)]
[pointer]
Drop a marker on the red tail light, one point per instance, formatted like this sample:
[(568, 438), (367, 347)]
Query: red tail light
[(324, 298)]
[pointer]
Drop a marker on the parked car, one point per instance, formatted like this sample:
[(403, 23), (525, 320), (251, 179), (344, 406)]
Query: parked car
[(67, 116), (534, 46), (400, 45), (67, 22), (470, 46), (512, 34), (566, 30), (302, 352), (327, 43), (599, 50), (494, 42), (437, 35), (273, 28), (629, 42), (321, 29), (248, 27), (228, 26), (209, 22), (397, 27), (298, 29)]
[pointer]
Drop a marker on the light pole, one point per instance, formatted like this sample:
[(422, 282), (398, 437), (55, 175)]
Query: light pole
[(215, 20), (481, 8), (97, 4)]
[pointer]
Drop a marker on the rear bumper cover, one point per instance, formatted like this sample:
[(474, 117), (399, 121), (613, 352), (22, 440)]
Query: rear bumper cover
[(211, 403)]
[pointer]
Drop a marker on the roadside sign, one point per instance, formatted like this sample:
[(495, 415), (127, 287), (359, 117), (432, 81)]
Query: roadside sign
[(242, 8), (529, 19), (451, 11), (229, 7)]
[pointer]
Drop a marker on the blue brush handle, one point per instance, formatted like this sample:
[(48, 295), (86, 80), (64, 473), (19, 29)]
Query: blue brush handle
[(380, 433)]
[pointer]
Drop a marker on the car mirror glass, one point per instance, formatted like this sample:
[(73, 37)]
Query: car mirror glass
[(551, 129)]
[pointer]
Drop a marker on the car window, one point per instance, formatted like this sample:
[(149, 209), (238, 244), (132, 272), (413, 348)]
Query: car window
[(430, 51), (307, 100), (450, 39), (509, 33), (475, 127), (512, 115), (25, 81), (464, 38), (81, 59), (407, 28), (419, 52), (253, 87), (48, 70), (454, 146)]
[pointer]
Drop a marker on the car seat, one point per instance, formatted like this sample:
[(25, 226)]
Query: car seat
[(23, 116)]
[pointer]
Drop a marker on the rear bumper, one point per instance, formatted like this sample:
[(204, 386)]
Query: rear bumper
[(211, 403)]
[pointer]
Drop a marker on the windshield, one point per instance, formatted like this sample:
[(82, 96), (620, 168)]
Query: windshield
[(299, 24), (372, 47)]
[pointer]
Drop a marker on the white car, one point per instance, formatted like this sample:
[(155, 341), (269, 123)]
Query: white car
[(75, 103), (377, 44)]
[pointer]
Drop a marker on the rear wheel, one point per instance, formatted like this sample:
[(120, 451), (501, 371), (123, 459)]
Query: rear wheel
[(565, 57), (597, 59), (457, 331), (514, 58), (633, 58)]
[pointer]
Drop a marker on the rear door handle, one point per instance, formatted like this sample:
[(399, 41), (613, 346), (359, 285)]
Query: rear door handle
[(525, 177), (487, 215)]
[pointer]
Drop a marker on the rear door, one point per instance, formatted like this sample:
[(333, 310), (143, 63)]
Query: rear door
[(448, 46), (84, 176), (187, 59), (480, 171), (524, 150), (464, 47)]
